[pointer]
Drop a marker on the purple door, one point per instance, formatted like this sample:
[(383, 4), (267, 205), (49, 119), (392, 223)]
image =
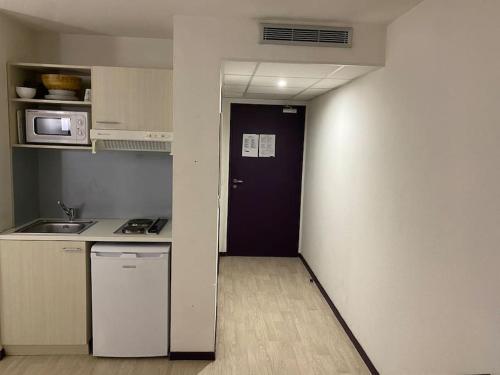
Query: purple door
[(265, 192)]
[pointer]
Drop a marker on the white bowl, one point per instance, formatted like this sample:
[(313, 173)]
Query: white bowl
[(26, 92)]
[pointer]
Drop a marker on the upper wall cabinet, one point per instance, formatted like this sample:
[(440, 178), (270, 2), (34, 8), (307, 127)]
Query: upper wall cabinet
[(131, 99)]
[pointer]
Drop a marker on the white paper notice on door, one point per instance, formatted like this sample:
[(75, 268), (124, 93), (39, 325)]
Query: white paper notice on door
[(250, 148), (267, 145)]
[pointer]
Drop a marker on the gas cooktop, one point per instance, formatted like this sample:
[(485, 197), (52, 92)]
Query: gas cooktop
[(142, 226)]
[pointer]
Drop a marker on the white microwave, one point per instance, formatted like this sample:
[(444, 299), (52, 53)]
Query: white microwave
[(59, 127)]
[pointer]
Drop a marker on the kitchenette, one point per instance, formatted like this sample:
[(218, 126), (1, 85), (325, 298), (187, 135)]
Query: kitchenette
[(86, 267)]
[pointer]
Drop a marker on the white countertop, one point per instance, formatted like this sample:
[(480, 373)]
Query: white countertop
[(101, 231)]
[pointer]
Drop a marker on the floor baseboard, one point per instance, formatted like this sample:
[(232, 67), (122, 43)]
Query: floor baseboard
[(192, 356), (341, 320)]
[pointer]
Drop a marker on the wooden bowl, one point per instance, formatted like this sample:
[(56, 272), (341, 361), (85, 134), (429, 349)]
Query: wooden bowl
[(61, 82)]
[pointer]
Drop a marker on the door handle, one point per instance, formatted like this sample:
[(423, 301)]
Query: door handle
[(236, 181)]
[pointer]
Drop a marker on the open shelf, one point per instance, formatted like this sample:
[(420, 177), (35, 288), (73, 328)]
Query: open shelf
[(53, 147), (47, 101), (51, 68), (21, 73)]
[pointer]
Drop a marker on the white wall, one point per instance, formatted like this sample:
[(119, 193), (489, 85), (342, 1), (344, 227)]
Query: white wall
[(16, 42), (402, 194), (104, 50), (200, 46)]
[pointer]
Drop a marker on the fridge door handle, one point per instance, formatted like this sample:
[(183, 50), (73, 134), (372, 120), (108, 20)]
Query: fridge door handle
[(106, 255), (128, 255), (116, 255)]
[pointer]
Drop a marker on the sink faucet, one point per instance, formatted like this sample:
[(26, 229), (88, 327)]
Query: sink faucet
[(69, 211)]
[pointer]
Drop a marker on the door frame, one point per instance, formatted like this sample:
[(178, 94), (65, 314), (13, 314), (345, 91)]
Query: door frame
[(224, 164)]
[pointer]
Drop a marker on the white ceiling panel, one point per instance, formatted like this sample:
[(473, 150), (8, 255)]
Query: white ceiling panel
[(352, 71), (295, 70), (305, 97), (243, 68), (232, 79), (310, 93), (290, 81), (281, 96), (234, 88), (232, 94), (329, 83), (253, 80), (274, 90)]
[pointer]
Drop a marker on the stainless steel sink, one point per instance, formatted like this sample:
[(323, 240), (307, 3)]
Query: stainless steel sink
[(56, 226)]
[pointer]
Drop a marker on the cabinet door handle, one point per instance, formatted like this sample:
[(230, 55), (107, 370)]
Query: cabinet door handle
[(109, 122), (72, 249)]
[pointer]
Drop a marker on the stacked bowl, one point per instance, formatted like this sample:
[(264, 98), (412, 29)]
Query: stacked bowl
[(61, 87)]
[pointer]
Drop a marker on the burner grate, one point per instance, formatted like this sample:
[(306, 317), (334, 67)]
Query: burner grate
[(135, 226)]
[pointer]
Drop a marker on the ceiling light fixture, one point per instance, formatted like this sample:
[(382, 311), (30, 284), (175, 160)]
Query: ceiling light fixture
[(281, 83)]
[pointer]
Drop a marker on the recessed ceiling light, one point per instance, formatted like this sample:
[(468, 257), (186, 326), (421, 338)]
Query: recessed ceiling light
[(281, 83)]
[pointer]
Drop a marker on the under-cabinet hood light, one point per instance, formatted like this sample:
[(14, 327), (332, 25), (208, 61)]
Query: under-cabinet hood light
[(127, 140)]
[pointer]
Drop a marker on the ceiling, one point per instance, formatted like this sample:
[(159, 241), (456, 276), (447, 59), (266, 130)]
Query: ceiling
[(153, 18), (253, 80)]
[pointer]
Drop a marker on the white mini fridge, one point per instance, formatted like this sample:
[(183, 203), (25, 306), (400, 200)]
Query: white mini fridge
[(130, 290)]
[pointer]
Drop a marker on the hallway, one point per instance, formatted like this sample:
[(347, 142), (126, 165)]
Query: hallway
[(271, 320)]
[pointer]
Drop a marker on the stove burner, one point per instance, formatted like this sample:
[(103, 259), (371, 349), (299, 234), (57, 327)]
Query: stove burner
[(142, 226), (134, 230), (139, 222), (135, 226)]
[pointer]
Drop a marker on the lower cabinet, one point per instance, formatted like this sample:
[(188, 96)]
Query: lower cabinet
[(44, 303)]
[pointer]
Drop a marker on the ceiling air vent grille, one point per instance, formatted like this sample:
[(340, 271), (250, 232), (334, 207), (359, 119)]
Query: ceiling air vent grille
[(306, 35)]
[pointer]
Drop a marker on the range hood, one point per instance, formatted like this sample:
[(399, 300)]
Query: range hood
[(130, 140)]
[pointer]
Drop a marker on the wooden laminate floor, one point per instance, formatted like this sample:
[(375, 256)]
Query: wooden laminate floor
[(272, 320)]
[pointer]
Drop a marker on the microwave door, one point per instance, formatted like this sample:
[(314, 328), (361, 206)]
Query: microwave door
[(51, 126), (53, 130)]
